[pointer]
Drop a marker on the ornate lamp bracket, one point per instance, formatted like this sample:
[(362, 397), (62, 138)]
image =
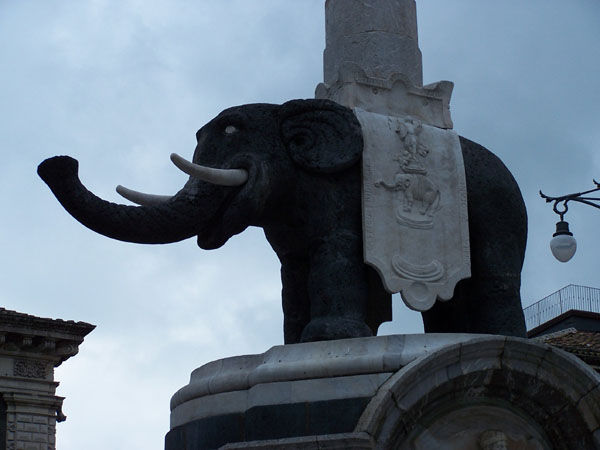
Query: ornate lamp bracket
[(576, 197)]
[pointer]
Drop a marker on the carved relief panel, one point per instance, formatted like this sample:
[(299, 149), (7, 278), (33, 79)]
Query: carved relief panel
[(415, 219)]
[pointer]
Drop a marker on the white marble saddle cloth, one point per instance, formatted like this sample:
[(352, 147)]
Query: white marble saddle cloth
[(415, 222)]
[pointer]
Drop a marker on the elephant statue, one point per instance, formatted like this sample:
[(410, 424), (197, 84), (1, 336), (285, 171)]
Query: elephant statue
[(295, 170), (415, 187)]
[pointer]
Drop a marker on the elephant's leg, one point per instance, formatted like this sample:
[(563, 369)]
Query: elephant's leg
[(338, 289), (432, 203), (435, 203), (294, 294), (408, 202), (488, 305), (426, 204), (490, 301)]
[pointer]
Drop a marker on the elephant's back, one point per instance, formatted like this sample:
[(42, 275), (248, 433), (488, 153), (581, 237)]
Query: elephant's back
[(493, 195)]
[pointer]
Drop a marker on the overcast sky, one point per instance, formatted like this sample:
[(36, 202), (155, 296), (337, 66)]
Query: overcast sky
[(119, 85)]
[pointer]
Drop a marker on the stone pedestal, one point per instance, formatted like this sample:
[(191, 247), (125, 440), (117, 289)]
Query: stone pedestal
[(408, 391), (30, 348)]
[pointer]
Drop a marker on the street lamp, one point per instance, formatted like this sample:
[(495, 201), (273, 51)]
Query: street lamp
[(563, 244)]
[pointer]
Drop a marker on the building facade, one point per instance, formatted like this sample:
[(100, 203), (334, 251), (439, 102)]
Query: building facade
[(30, 348)]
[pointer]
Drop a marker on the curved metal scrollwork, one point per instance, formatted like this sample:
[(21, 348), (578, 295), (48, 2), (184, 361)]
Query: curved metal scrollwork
[(576, 197)]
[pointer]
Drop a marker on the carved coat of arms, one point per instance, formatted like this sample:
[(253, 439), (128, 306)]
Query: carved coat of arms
[(415, 219)]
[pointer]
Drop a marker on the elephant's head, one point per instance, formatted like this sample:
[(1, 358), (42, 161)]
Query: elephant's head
[(245, 164), (402, 181)]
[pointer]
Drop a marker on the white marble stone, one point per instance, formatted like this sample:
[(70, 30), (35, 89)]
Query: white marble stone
[(312, 360), (491, 389), (464, 392), (378, 35), (415, 220), (307, 372), (209, 406), (372, 61), (394, 95), (278, 393)]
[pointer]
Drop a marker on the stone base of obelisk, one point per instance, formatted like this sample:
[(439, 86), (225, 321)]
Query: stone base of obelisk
[(451, 391)]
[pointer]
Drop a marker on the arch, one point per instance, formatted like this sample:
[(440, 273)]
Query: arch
[(534, 394)]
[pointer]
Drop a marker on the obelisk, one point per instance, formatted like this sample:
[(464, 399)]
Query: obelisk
[(372, 60), (379, 36)]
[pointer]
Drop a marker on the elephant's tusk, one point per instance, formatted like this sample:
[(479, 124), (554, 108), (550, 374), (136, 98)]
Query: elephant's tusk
[(221, 177), (140, 198)]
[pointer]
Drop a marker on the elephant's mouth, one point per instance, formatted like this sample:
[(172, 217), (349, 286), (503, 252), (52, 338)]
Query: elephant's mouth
[(213, 232), (239, 207), (235, 199), (225, 195)]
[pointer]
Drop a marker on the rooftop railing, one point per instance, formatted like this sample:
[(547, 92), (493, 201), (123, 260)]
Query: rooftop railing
[(582, 298)]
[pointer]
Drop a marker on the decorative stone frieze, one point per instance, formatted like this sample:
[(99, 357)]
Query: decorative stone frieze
[(30, 348), (394, 95), (30, 368)]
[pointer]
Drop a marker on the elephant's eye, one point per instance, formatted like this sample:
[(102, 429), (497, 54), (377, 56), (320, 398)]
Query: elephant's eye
[(230, 129)]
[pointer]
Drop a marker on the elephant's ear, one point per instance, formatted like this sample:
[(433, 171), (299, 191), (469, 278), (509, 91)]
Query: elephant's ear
[(321, 135)]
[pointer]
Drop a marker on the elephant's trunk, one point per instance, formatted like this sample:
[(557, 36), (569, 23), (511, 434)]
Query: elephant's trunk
[(176, 219)]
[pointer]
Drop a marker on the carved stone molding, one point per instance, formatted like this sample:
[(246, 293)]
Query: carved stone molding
[(30, 347), (488, 391), (30, 368), (33, 336), (394, 95)]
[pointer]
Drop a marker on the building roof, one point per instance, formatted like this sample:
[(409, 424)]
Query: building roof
[(13, 320), (579, 320), (583, 344), (38, 337)]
